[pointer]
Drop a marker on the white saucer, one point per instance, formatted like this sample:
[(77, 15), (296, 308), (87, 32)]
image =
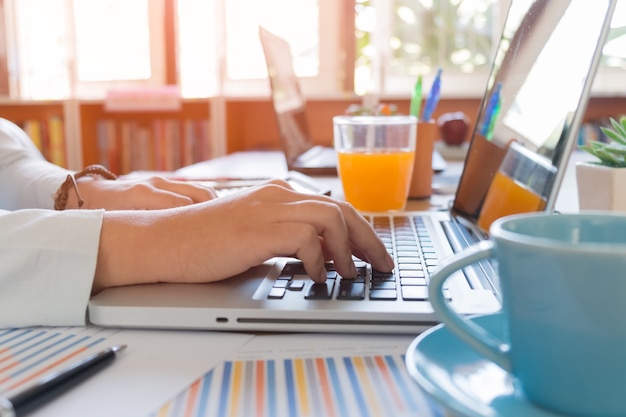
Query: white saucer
[(464, 382)]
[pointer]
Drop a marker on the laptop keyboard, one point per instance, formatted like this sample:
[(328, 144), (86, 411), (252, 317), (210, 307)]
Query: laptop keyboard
[(406, 239)]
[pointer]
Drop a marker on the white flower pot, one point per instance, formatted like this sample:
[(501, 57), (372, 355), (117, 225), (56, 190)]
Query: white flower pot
[(600, 187)]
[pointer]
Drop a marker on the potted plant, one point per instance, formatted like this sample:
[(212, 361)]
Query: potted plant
[(602, 183)]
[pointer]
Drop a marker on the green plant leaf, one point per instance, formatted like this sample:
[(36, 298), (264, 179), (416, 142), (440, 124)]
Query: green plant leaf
[(609, 158), (612, 153), (612, 134), (619, 129), (616, 148), (592, 151), (609, 154)]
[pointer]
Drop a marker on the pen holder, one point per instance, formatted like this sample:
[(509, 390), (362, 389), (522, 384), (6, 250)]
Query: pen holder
[(422, 179)]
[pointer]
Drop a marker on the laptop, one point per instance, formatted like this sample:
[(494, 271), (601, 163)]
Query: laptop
[(290, 109), (535, 97), (289, 104)]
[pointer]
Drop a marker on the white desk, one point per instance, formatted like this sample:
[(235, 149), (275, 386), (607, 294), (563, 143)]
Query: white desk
[(160, 364), (272, 164)]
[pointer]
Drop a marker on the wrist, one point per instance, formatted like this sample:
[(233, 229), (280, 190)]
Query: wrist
[(69, 195), (83, 191), (120, 262)]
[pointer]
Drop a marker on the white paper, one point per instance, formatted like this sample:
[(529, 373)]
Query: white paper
[(307, 375), (155, 366)]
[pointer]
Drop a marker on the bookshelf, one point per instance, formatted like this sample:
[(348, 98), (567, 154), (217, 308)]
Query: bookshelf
[(226, 124), (44, 122), (76, 133), (155, 140)]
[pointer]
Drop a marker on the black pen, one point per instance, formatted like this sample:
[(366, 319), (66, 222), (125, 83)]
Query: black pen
[(54, 384)]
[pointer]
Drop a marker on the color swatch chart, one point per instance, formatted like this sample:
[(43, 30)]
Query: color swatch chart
[(29, 354), (332, 386)]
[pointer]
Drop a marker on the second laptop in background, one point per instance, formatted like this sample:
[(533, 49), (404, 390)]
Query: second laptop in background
[(289, 105)]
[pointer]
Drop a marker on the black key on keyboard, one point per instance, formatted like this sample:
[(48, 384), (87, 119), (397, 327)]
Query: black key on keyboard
[(350, 289), (320, 290)]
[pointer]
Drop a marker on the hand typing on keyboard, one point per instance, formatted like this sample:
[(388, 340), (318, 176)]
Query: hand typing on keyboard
[(220, 238)]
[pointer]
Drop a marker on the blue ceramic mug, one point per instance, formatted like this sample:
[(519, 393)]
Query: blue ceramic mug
[(563, 283)]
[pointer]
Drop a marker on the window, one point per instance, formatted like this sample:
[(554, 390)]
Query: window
[(197, 48), (399, 40), (38, 38), (127, 39), (108, 33), (75, 48), (236, 62), (80, 48), (66, 48), (611, 77)]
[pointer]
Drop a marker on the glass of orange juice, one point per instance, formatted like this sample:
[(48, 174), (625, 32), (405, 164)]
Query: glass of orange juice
[(375, 160)]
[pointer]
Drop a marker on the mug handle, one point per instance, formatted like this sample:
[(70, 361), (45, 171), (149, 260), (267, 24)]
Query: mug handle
[(472, 334)]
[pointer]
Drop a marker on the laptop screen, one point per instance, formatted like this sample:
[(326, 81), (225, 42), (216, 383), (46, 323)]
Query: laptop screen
[(287, 99), (531, 113)]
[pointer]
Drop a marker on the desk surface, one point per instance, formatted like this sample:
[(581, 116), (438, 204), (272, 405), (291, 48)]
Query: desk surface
[(161, 365), (272, 164)]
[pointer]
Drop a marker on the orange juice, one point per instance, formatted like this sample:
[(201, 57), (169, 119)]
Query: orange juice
[(505, 197), (376, 180)]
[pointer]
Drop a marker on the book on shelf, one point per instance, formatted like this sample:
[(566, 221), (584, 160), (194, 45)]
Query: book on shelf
[(33, 130), (48, 135), (56, 138), (159, 145)]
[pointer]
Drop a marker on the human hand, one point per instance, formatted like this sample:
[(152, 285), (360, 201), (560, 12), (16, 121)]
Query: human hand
[(134, 194), (226, 236)]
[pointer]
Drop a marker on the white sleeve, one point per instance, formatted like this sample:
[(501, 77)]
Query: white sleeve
[(48, 260), (27, 180)]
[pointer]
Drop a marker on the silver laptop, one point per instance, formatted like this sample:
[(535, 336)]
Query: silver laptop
[(289, 104), (536, 96)]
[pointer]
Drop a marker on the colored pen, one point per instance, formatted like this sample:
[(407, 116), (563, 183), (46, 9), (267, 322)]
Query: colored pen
[(416, 98), (55, 384), (433, 97), (495, 111), (489, 109)]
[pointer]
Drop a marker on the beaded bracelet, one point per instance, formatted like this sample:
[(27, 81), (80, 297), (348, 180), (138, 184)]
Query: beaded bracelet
[(61, 196)]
